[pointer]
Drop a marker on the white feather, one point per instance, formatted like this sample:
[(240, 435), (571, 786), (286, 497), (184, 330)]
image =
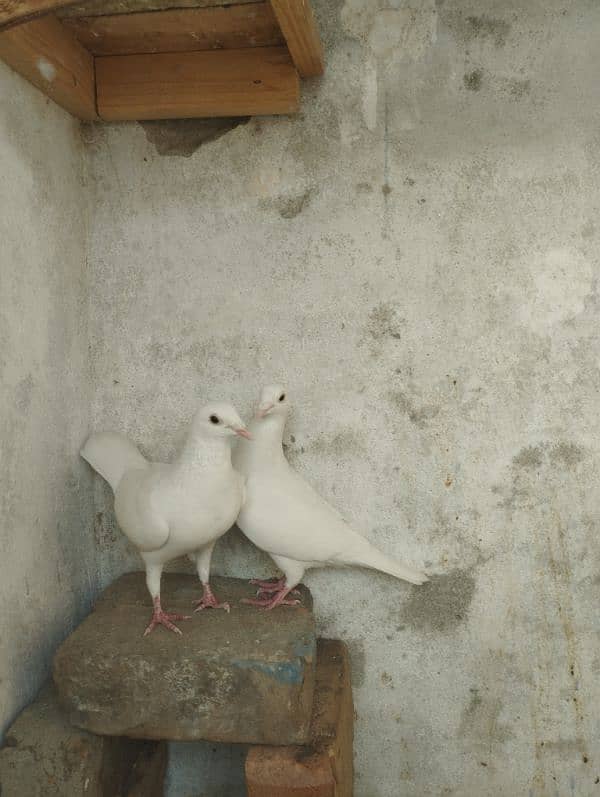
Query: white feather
[(284, 516), (182, 508)]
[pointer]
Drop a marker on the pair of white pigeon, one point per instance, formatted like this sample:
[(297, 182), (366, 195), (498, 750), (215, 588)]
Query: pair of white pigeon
[(168, 511)]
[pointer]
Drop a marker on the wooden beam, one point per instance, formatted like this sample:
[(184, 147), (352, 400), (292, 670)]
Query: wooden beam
[(298, 24), (182, 30), (13, 12), (50, 57), (98, 8), (255, 81)]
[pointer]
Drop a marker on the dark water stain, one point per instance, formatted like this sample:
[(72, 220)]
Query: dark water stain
[(485, 27), (562, 453), (24, 393), (473, 80), (364, 188), (358, 660), (293, 206), (343, 443), (569, 454), (513, 498), (442, 604), (588, 230), (420, 416), (480, 719), (470, 28), (384, 322), (529, 457), (182, 137), (519, 88)]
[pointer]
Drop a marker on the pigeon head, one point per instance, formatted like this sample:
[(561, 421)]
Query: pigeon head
[(273, 401), (219, 419)]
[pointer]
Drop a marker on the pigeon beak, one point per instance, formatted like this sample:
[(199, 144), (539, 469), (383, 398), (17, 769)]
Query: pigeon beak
[(264, 410), (243, 433)]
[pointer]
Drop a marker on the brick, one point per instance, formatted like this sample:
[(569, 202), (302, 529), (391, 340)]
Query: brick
[(44, 756), (324, 767), (247, 676)]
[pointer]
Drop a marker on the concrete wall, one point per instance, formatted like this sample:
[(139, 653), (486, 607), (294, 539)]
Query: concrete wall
[(46, 512), (415, 255)]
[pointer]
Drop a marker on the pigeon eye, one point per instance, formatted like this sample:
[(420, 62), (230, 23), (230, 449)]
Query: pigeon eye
[(281, 398), (214, 419)]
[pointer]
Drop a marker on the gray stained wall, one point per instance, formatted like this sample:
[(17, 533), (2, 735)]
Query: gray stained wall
[(415, 256), (47, 546)]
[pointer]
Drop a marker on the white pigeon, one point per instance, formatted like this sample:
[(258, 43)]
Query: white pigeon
[(285, 517), (170, 510)]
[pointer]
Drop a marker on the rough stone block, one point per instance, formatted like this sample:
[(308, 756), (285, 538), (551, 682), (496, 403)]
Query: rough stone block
[(322, 768), (44, 756), (247, 676)]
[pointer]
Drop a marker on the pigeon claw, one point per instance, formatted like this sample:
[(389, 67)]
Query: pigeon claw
[(270, 587), (268, 602), (209, 601), (164, 618), (202, 605)]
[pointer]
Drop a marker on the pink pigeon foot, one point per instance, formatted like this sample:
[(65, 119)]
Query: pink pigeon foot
[(164, 618), (209, 601), (267, 603), (270, 587)]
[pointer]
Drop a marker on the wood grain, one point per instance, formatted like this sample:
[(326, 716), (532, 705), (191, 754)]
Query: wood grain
[(181, 30), (95, 8), (298, 25), (254, 81), (50, 57), (13, 12)]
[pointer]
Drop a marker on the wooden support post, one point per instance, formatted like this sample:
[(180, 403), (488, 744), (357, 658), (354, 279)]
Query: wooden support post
[(250, 82), (50, 57), (324, 768), (299, 28)]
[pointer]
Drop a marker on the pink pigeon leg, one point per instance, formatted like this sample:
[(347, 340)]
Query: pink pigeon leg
[(209, 601), (279, 599), (164, 618)]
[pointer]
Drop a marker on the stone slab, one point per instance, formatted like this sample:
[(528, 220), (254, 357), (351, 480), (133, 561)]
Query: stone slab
[(247, 676), (44, 756), (324, 767)]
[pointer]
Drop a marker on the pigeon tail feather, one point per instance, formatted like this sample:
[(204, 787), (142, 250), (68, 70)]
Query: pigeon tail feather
[(112, 455), (368, 556)]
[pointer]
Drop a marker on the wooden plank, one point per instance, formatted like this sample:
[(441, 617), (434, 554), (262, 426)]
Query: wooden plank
[(50, 57), (298, 24), (182, 30), (98, 8), (255, 81), (13, 12)]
